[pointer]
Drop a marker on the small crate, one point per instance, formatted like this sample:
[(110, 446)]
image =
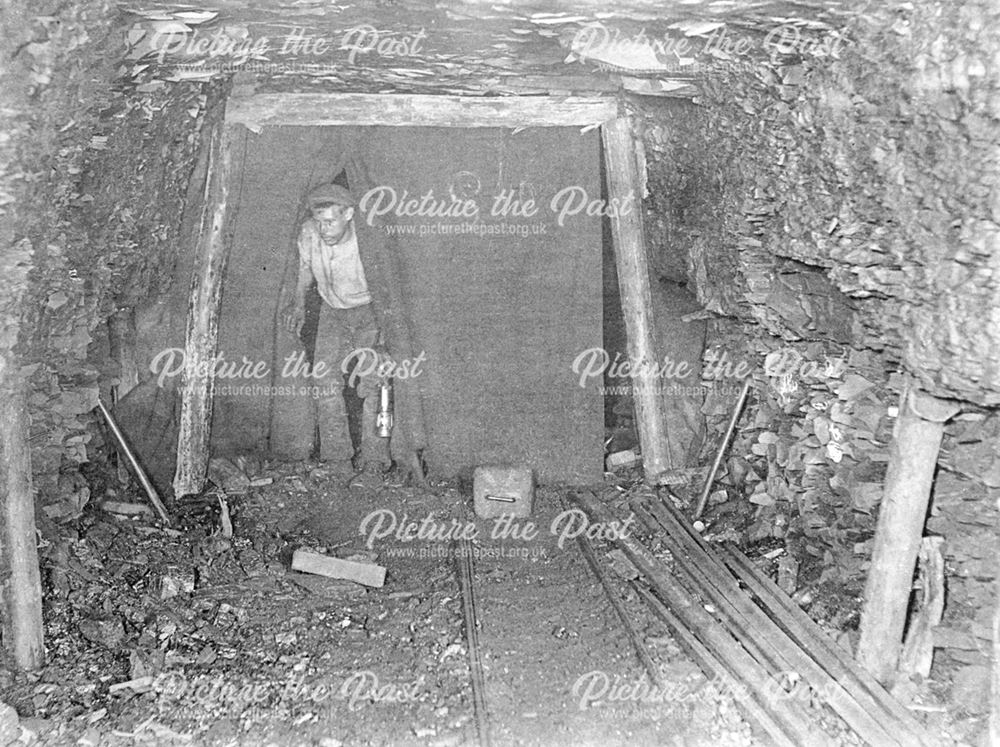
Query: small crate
[(502, 491)]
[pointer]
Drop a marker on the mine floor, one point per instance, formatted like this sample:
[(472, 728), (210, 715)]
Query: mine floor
[(186, 636)]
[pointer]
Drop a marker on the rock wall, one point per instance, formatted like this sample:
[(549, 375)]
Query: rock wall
[(91, 195), (41, 84), (840, 215), (46, 126), (851, 198)]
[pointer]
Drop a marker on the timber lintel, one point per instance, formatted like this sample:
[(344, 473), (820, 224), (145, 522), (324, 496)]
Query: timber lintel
[(406, 110)]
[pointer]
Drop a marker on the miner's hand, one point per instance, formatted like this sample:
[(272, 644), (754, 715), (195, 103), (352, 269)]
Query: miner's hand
[(294, 317), (386, 365)]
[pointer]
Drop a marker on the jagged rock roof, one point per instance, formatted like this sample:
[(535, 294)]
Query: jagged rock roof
[(476, 48)]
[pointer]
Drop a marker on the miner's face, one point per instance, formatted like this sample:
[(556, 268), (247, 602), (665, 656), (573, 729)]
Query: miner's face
[(333, 221)]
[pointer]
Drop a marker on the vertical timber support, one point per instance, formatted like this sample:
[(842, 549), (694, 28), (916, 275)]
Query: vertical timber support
[(633, 279), (995, 684), (121, 335), (22, 587), (913, 457), (201, 342)]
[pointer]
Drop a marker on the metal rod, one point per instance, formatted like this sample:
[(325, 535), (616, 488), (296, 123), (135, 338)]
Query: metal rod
[(710, 477), (137, 469), (587, 550), (463, 551)]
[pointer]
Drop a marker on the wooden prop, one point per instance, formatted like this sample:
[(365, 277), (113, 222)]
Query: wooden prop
[(633, 279), (995, 711), (22, 588), (121, 339), (913, 457), (203, 323)]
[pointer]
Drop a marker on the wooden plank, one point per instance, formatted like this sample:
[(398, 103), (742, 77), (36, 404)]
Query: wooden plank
[(368, 574), (203, 323), (22, 588), (802, 629), (740, 665), (918, 648), (633, 280), (758, 632), (418, 110), (708, 662), (808, 634), (126, 509), (707, 583)]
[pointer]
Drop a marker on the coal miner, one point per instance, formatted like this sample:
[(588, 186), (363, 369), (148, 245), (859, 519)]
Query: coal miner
[(328, 254)]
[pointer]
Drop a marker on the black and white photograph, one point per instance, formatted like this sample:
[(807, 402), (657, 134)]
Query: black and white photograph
[(499, 373)]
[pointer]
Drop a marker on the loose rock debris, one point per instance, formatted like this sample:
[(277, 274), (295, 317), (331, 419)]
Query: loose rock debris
[(184, 636)]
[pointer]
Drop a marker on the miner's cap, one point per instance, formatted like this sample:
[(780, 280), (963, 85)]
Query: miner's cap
[(326, 194)]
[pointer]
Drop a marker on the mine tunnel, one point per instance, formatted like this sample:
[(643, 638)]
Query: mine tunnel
[(520, 373)]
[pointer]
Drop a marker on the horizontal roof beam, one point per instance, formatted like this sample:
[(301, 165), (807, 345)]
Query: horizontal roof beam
[(410, 110)]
